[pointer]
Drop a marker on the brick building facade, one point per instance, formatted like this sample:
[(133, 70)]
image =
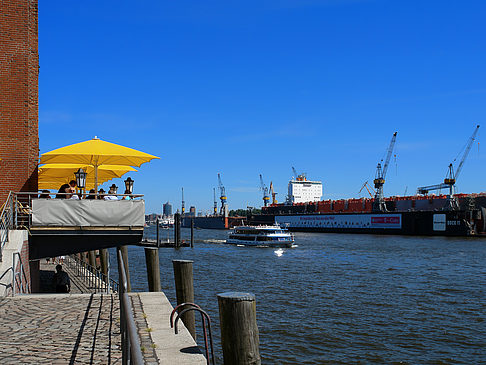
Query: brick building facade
[(19, 75)]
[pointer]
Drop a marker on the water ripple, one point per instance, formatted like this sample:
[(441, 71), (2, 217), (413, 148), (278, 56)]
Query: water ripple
[(340, 299)]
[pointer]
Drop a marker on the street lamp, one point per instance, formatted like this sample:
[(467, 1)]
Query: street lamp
[(114, 188), (80, 178), (128, 185)]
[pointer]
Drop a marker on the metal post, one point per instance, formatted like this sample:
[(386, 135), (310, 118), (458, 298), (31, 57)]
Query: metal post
[(13, 275), (239, 330), (124, 252), (121, 291), (185, 291), (192, 232)]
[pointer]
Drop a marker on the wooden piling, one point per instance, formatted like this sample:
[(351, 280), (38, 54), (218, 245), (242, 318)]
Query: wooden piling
[(92, 258), (104, 261), (177, 230), (185, 291), (153, 268), (192, 232), (124, 252), (239, 331), (157, 230)]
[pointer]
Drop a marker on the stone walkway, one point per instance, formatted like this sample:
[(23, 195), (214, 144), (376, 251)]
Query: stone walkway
[(85, 328), (60, 329)]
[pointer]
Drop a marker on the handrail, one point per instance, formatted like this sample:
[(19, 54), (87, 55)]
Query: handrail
[(41, 195), (204, 318), (6, 222), (131, 348), (24, 287), (97, 280)]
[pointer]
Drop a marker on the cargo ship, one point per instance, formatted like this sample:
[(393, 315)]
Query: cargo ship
[(411, 215), (422, 214)]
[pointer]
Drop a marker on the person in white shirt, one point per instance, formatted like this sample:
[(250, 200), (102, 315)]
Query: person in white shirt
[(111, 195)]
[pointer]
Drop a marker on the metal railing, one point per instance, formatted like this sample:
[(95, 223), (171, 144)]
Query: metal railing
[(20, 281), (96, 280), (6, 221), (130, 341)]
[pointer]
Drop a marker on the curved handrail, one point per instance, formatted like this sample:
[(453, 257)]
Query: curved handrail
[(176, 308), (204, 317)]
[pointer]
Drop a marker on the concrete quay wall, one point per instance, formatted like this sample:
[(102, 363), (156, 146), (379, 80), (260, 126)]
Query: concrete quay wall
[(18, 243)]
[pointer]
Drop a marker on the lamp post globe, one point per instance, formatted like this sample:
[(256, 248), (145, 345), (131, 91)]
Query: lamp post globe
[(129, 185), (80, 178)]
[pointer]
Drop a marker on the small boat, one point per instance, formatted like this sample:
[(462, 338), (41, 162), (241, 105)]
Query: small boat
[(166, 223), (268, 236)]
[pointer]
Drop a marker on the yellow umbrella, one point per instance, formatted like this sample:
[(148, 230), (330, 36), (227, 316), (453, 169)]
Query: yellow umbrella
[(96, 152), (52, 176)]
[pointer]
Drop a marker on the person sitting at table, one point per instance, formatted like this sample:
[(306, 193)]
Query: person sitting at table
[(45, 195), (101, 194), (73, 194), (127, 197), (111, 195), (91, 194), (65, 190)]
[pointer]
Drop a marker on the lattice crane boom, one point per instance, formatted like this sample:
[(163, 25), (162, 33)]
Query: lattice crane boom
[(451, 177), (222, 196), (466, 151), (274, 194), (264, 190), (379, 181)]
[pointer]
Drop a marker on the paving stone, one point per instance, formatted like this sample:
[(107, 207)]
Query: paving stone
[(62, 329)]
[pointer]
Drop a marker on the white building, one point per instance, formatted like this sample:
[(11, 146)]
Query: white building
[(303, 191)]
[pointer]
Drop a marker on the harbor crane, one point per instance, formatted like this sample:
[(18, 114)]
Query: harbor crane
[(451, 176), (368, 188), (222, 196), (379, 203), (274, 194), (264, 189), (299, 177), (215, 203)]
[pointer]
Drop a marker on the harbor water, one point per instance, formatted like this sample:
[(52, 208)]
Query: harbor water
[(340, 298)]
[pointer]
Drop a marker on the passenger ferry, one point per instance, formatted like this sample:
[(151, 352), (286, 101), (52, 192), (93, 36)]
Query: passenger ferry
[(268, 236)]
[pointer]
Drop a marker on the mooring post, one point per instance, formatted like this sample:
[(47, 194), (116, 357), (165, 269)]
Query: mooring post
[(124, 252), (157, 234), (192, 232), (153, 268), (104, 262), (177, 230), (185, 291), (239, 331)]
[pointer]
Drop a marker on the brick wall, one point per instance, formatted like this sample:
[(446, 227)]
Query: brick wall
[(19, 74)]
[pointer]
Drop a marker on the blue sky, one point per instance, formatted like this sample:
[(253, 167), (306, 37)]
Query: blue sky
[(244, 88)]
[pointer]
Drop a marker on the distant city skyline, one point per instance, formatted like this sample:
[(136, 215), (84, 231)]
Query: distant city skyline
[(247, 88)]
